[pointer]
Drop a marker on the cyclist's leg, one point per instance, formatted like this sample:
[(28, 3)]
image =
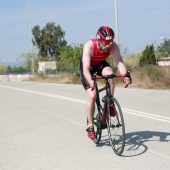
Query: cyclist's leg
[(106, 69), (90, 105)]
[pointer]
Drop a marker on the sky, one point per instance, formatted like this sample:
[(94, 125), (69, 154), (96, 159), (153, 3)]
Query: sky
[(140, 22)]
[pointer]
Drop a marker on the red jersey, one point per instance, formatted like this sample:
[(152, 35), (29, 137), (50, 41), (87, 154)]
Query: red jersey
[(98, 57)]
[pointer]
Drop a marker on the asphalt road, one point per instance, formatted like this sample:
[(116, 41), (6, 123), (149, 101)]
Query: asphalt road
[(42, 127)]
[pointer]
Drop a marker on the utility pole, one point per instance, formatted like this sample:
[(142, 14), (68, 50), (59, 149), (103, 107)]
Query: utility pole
[(31, 45), (116, 19)]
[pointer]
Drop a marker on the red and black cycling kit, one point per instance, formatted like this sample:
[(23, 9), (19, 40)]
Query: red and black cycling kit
[(98, 62)]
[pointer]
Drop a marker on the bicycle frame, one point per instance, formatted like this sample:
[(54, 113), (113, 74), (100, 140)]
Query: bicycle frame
[(108, 93)]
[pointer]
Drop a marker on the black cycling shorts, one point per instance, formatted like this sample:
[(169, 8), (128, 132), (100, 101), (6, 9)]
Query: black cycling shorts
[(97, 69)]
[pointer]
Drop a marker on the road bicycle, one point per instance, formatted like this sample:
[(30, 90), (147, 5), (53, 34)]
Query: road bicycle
[(109, 115)]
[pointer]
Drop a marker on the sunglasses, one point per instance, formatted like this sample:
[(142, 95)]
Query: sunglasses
[(105, 43)]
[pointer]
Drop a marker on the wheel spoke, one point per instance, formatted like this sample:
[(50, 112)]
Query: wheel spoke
[(116, 129)]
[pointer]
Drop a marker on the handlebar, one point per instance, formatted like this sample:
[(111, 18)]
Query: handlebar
[(111, 76), (95, 76)]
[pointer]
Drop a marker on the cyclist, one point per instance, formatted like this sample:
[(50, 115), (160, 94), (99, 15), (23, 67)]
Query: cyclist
[(95, 53)]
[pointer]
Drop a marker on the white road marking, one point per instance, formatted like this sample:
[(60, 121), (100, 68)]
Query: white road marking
[(159, 154), (137, 113), (134, 112), (65, 118), (147, 115)]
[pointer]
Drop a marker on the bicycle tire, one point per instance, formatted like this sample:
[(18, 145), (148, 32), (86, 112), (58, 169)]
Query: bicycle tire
[(116, 127), (97, 125)]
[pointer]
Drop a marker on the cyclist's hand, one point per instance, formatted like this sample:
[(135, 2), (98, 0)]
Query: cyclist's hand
[(127, 80), (91, 85)]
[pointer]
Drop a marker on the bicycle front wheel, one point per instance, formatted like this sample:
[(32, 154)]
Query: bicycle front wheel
[(115, 126), (97, 125)]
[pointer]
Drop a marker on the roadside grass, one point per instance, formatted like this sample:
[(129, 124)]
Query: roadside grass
[(148, 77), (62, 78), (152, 77)]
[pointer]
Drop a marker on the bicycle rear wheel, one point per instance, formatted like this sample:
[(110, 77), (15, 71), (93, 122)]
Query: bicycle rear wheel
[(115, 126), (97, 125)]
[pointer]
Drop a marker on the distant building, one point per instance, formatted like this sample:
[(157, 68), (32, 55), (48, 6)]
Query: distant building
[(164, 61), (45, 66)]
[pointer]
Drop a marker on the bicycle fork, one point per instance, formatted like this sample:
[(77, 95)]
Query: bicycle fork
[(105, 115)]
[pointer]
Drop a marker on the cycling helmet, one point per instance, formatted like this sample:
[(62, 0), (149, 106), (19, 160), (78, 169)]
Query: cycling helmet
[(105, 33)]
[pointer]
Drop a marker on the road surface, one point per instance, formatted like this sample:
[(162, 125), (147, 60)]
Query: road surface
[(42, 127)]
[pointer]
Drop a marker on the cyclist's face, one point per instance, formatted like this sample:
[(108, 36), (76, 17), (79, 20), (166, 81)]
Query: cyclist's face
[(105, 45)]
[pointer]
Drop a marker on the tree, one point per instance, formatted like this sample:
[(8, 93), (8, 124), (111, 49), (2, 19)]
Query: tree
[(28, 60), (148, 56), (69, 58), (164, 48), (16, 70), (49, 39), (151, 55)]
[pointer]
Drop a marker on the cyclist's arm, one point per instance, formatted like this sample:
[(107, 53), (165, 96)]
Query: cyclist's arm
[(115, 52), (86, 60)]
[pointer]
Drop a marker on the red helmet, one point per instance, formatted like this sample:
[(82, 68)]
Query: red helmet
[(105, 33)]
